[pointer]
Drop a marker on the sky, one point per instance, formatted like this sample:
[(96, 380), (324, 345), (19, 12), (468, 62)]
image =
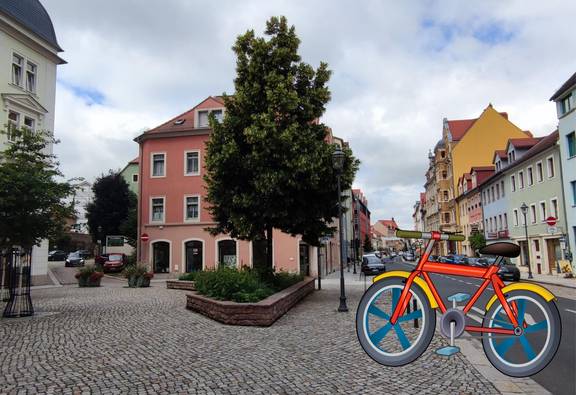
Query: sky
[(399, 69)]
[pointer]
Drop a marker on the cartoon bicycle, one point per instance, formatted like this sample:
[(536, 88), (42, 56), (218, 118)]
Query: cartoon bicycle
[(396, 317)]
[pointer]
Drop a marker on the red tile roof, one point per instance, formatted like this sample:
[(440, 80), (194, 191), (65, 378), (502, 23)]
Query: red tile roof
[(501, 153), (389, 222), (525, 142), (482, 168), (135, 160), (459, 127)]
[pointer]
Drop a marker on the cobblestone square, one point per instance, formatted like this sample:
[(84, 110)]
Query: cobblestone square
[(113, 340)]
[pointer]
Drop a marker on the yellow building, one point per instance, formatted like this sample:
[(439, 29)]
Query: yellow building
[(471, 143)]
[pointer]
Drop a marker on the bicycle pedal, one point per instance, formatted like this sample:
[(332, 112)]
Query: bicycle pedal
[(448, 351)]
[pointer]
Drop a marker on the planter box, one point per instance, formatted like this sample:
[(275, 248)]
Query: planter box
[(263, 313), (181, 284), (87, 283)]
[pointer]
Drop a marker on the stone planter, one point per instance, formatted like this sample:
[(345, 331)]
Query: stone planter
[(181, 284), (138, 282), (262, 313), (85, 282)]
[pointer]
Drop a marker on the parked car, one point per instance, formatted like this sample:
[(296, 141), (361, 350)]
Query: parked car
[(509, 271), (371, 264), (101, 259), (83, 253), (115, 262), (74, 259), (409, 256), (57, 255), (434, 258), (393, 254), (455, 258)]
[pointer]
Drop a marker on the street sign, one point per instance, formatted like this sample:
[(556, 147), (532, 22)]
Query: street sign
[(552, 230), (551, 221), (144, 237)]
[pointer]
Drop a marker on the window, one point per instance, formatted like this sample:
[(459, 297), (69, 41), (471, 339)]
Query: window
[(445, 196), (537, 245), (505, 221), (219, 115), (573, 184), (29, 123), (513, 183), (521, 179), (533, 213), (446, 218), (492, 193), (227, 253), (565, 105), (30, 77), (497, 191), (157, 210), (554, 206), (571, 144), (192, 163), (491, 225), (487, 228), (443, 154), (192, 208), (134, 177), (17, 64), (13, 123), (203, 117), (515, 217), (500, 222), (543, 211), (539, 173), (550, 164), (444, 174), (530, 176), (502, 188), (158, 167)]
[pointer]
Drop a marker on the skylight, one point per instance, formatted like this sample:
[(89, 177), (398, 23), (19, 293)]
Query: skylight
[(179, 121)]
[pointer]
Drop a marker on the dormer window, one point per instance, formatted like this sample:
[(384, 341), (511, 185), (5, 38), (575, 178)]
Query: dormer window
[(203, 120), (565, 105)]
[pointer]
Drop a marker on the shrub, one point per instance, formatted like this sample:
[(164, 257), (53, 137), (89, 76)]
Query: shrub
[(86, 272), (187, 276), (283, 280)]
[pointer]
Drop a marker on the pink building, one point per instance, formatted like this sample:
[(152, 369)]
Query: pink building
[(173, 213)]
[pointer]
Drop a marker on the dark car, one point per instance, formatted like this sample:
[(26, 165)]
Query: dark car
[(57, 255), (115, 262), (83, 253), (409, 257), (509, 271), (455, 258), (74, 259), (371, 264)]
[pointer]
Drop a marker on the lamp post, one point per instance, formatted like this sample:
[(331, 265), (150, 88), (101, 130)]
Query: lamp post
[(100, 240), (524, 209), (338, 164)]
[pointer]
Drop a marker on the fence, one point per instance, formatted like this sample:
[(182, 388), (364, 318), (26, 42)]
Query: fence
[(15, 274)]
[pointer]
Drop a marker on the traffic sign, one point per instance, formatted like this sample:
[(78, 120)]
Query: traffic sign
[(551, 221), (144, 237), (552, 230)]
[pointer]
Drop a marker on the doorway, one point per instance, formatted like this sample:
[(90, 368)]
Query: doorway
[(194, 252), (304, 259), (554, 254), (161, 257)]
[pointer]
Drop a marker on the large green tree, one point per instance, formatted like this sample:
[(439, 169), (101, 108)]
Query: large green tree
[(112, 206), (268, 162), (32, 199)]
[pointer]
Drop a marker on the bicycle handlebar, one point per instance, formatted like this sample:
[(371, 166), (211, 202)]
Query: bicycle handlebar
[(414, 234)]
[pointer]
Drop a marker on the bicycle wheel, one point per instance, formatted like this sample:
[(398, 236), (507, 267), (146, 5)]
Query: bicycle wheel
[(402, 343), (530, 352)]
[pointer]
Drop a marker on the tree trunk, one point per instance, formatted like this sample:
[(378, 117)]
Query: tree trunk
[(269, 251)]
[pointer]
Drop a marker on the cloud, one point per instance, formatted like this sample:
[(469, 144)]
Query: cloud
[(398, 69)]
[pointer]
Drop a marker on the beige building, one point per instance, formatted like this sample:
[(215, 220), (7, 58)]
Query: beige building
[(28, 61)]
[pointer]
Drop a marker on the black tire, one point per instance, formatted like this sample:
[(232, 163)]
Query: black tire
[(536, 360), (427, 324)]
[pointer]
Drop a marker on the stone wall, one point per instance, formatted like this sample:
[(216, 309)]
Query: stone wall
[(263, 313), (181, 284)]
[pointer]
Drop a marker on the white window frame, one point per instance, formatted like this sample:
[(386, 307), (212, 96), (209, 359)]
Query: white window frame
[(134, 177), (539, 175), (186, 173), (209, 110), (542, 212), (33, 122), (515, 211), (185, 216), (530, 175), (216, 255), (533, 214), (521, 183), (33, 73), (548, 166), (152, 221), (22, 67), (513, 183), (502, 194), (13, 125), (152, 164), (555, 207)]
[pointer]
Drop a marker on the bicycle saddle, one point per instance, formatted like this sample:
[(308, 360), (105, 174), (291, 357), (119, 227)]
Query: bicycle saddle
[(508, 250)]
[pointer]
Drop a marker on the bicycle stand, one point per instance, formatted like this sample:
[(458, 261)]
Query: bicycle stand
[(452, 349)]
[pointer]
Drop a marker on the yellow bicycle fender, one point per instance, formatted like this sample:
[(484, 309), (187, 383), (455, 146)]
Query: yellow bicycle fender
[(538, 289), (421, 283)]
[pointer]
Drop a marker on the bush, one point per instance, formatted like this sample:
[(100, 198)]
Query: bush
[(244, 286), (187, 276)]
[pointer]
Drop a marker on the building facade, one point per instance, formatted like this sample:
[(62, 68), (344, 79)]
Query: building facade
[(565, 99), (130, 173), (173, 213), (82, 196), (29, 57), (361, 219)]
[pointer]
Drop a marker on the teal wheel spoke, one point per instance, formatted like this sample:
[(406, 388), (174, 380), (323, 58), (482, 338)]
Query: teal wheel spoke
[(521, 310), (539, 326), (412, 316), (377, 336), (395, 297), (527, 348), (503, 347), (377, 312), (402, 337)]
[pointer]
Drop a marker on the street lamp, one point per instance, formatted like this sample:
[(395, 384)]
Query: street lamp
[(524, 209), (338, 164), (100, 240)]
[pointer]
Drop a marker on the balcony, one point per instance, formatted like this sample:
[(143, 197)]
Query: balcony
[(502, 234)]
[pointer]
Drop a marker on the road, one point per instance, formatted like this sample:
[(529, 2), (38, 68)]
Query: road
[(558, 376)]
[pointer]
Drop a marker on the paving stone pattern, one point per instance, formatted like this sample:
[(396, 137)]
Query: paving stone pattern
[(113, 340)]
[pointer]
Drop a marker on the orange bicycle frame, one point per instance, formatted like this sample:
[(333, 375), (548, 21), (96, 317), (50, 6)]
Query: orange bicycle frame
[(489, 275)]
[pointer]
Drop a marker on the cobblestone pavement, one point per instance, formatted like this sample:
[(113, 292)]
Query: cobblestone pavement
[(114, 340)]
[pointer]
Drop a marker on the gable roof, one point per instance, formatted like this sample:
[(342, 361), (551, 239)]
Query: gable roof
[(459, 127), (564, 88), (523, 143), (389, 222)]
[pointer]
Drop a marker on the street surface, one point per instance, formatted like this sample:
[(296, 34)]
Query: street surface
[(558, 377)]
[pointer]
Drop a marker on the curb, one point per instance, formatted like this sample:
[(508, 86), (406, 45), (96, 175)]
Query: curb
[(551, 283)]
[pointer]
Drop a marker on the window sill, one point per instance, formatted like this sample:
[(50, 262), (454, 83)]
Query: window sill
[(158, 176), (191, 174)]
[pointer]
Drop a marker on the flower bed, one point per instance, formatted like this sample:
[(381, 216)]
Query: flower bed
[(262, 313)]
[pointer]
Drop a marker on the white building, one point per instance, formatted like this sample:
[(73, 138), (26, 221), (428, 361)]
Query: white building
[(565, 99), (82, 196), (28, 61)]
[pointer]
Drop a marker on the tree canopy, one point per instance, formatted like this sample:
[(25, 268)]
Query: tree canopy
[(269, 163), (32, 204), (113, 208)]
